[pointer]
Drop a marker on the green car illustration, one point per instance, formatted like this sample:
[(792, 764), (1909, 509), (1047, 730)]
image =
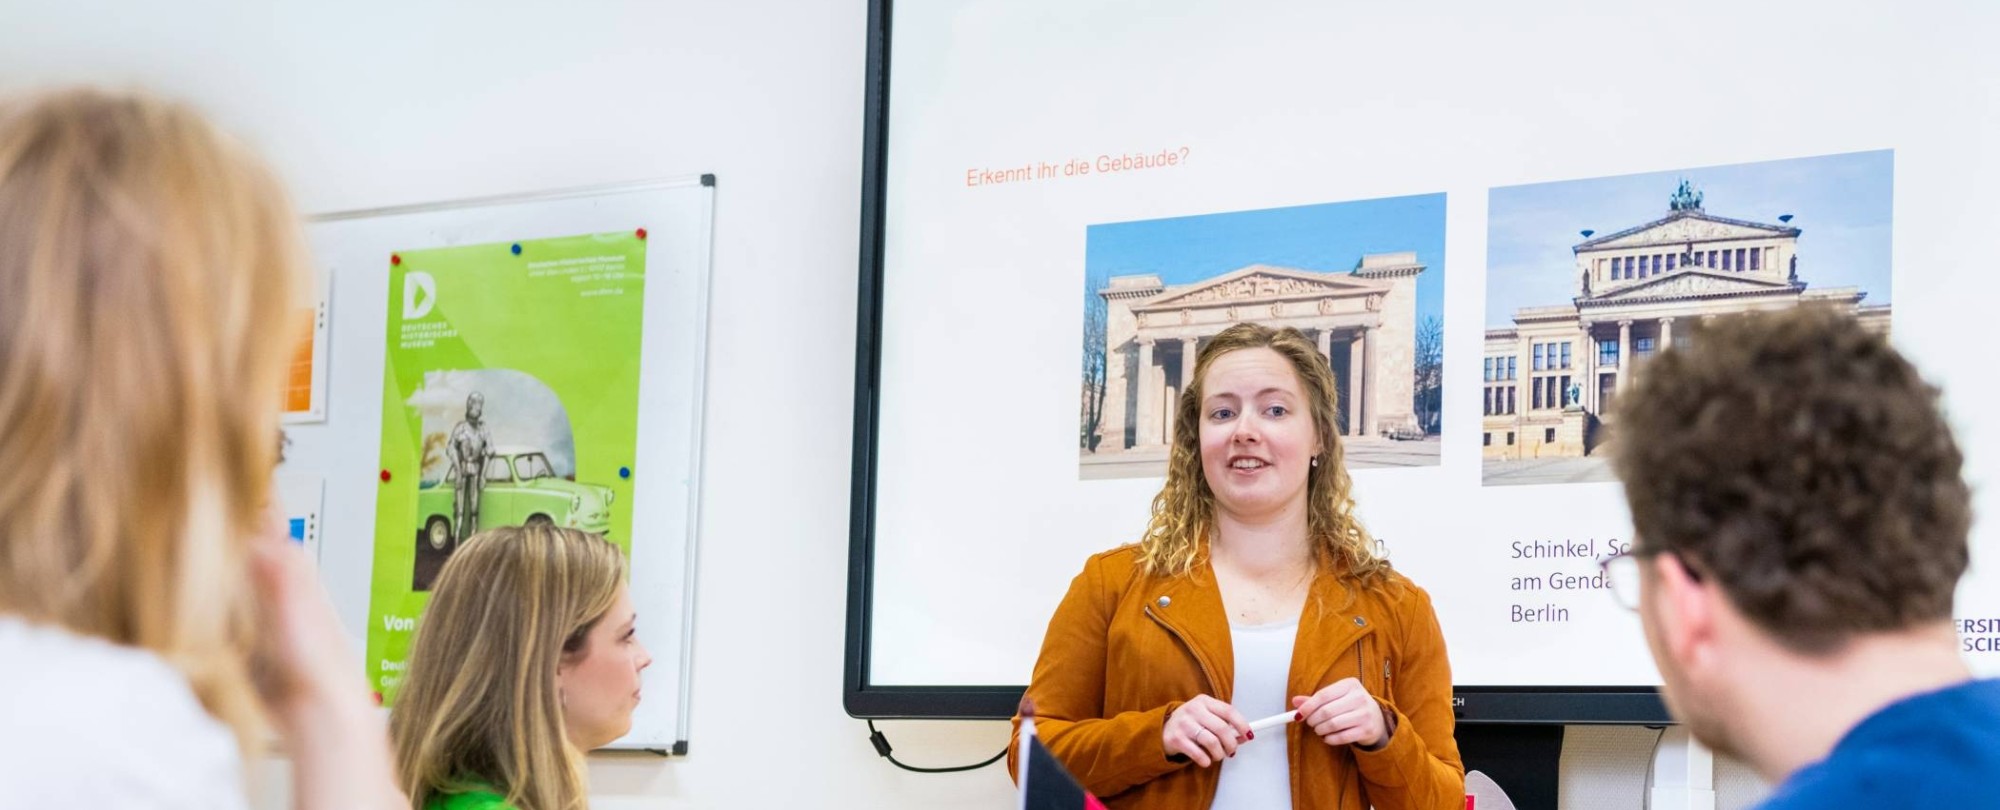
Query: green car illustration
[(521, 488)]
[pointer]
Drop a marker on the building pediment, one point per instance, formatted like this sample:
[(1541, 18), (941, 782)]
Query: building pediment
[(1691, 284), (1683, 227), (1264, 283)]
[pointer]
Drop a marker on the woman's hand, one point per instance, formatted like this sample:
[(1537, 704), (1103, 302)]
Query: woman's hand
[(1343, 714), (1205, 730), (313, 687), (308, 658)]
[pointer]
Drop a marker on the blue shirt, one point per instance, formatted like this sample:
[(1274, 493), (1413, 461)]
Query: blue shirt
[(1938, 749)]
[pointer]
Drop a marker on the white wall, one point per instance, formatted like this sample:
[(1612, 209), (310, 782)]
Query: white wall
[(367, 104)]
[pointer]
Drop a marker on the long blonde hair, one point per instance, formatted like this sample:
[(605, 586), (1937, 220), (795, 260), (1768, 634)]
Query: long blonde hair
[(479, 708), (1184, 511), (148, 268)]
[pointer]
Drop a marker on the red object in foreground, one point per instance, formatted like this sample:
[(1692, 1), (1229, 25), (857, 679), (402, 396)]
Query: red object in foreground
[(1045, 783), (385, 476), (642, 233)]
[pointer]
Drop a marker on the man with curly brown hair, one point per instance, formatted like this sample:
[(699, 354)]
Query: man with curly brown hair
[(1801, 526)]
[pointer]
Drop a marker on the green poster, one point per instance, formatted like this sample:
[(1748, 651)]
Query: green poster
[(510, 396)]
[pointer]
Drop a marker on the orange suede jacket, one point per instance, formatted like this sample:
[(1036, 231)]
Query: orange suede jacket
[(1125, 649)]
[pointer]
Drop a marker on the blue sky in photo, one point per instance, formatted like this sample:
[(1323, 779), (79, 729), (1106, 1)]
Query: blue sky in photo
[(1840, 204), (1323, 238)]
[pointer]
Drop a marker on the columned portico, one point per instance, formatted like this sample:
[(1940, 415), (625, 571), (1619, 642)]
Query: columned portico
[(1149, 394), (1154, 335), (1367, 377), (1590, 360), (1190, 348), (1624, 355), (1647, 280)]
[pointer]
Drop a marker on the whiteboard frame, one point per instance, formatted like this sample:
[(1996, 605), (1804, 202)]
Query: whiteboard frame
[(696, 287)]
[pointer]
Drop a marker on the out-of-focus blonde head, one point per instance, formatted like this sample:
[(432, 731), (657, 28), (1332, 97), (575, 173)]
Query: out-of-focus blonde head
[(149, 269)]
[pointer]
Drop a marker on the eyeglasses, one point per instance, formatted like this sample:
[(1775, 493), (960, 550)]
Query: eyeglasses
[(1622, 574)]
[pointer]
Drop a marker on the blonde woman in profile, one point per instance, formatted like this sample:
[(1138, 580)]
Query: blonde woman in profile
[(154, 621), (1255, 592), (526, 658)]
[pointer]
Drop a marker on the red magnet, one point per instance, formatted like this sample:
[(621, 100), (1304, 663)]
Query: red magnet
[(395, 259), (642, 233), (385, 476)]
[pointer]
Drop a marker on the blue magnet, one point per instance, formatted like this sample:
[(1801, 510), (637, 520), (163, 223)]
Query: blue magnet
[(624, 472), (517, 248)]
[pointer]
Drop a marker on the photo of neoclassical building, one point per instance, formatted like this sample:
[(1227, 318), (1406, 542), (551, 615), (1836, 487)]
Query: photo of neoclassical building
[(1145, 329), (1551, 372)]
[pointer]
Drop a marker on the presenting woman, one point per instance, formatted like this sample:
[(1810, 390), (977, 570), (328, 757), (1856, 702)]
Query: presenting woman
[(526, 657), (1254, 592)]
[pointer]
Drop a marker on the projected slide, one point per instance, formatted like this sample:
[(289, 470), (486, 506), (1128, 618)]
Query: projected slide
[(1363, 278), (1560, 346), (1486, 217)]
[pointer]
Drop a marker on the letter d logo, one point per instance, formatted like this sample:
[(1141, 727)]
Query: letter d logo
[(419, 295)]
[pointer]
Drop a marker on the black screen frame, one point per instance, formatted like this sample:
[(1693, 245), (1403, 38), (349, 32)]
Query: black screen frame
[(1532, 705)]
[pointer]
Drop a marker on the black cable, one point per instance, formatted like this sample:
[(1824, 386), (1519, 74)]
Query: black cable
[(881, 744)]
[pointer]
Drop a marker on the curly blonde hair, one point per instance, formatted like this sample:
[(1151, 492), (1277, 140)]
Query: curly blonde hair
[(1184, 511)]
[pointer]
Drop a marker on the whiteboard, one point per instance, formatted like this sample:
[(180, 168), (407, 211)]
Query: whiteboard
[(355, 250)]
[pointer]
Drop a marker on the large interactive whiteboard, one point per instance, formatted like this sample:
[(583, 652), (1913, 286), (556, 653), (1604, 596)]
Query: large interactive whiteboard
[(1486, 214)]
